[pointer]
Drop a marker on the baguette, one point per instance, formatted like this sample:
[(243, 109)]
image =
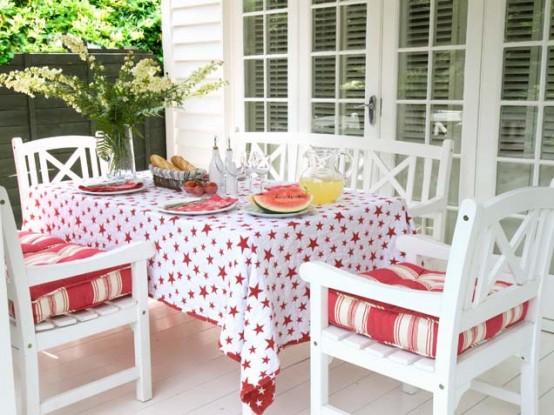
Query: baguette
[(159, 161), (182, 164)]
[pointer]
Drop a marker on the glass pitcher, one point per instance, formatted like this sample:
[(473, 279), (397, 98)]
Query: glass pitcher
[(322, 178)]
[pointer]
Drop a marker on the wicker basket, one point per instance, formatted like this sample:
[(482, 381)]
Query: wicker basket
[(174, 179)]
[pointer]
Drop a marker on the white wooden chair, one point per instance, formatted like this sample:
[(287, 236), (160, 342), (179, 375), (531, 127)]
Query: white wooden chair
[(281, 148), (480, 255), (36, 161), (7, 387), (29, 339), (426, 177)]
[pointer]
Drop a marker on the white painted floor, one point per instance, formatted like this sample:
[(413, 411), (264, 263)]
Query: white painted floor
[(191, 376)]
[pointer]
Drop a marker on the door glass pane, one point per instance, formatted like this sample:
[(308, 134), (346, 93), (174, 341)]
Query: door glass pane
[(446, 122), (547, 150), (277, 116), (277, 72), (352, 82), (252, 5), (513, 176), (451, 22), (254, 78), (414, 23), (324, 77), (521, 73), (353, 23), (517, 131), (254, 116), (411, 122), (546, 175), (448, 75), (324, 29), (453, 197), (277, 33), (549, 90), (351, 119), (276, 4), (523, 20), (253, 35), (323, 118), (412, 75)]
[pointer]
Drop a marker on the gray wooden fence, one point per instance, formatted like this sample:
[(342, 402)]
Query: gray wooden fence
[(34, 118)]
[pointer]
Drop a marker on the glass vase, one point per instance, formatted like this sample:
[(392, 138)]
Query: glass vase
[(122, 158)]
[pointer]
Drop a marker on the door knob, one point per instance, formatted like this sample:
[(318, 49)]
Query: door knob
[(372, 109)]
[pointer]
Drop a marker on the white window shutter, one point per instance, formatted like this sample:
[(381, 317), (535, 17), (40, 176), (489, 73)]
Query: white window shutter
[(192, 37)]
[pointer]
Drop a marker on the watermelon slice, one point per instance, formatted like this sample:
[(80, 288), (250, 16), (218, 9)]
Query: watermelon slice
[(287, 199)]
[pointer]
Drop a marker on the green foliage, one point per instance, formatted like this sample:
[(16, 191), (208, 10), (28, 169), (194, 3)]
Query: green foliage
[(138, 92), (33, 25)]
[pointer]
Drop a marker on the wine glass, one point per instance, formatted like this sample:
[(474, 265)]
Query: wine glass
[(234, 173), (262, 165), (248, 166)]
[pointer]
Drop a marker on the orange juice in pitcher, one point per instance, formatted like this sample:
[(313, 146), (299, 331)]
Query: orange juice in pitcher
[(324, 191), (322, 178)]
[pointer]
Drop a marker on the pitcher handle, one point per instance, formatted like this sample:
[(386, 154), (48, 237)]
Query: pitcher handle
[(345, 159)]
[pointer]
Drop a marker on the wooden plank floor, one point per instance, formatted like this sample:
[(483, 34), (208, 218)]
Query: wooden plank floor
[(191, 376)]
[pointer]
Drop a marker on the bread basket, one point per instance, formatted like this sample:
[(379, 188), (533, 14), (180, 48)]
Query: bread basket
[(174, 179)]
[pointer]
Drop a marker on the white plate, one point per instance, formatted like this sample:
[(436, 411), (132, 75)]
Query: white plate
[(117, 192), (164, 207), (251, 210)]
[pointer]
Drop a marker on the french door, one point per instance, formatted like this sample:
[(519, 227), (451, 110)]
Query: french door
[(430, 69), (476, 72), (519, 101)]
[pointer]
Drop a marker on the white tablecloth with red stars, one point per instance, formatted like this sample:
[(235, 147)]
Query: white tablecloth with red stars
[(233, 269)]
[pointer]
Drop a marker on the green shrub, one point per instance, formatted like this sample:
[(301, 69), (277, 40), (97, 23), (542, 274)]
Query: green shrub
[(32, 25)]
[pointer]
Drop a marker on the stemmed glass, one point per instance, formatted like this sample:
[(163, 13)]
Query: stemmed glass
[(262, 165), (234, 172), (248, 166)]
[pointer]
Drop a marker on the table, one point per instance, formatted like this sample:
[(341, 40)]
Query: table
[(230, 268)]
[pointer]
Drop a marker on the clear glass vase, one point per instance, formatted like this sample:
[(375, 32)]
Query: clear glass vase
[(121, 158)]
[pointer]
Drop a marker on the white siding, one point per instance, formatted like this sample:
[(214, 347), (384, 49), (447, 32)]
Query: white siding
[(192, 37)]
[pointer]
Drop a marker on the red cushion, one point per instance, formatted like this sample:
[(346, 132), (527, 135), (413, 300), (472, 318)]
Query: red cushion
[(74, 293), (404, 328)]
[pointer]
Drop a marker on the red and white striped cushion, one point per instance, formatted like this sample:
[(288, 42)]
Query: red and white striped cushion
[(33, 242), (404, 328), (75, 293)]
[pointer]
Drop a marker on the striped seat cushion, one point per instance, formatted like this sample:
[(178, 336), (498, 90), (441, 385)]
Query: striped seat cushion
[(404, 328), (75, 293)]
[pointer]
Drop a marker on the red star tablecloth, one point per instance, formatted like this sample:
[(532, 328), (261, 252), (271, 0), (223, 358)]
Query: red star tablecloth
[(233, 269)]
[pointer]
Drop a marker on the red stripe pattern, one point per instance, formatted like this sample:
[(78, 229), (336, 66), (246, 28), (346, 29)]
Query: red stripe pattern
[(404, 328), (74, 293)]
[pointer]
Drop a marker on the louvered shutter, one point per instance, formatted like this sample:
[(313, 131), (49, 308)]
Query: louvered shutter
[(192, 37)]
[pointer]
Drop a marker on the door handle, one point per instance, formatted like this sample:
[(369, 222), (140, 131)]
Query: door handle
[(372, 109)]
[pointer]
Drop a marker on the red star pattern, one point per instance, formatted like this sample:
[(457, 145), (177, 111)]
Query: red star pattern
[(231, 269)]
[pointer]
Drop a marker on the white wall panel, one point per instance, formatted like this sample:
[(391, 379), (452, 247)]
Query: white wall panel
[(192, 37), (204, 51), (196, 15), (208, 32)]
